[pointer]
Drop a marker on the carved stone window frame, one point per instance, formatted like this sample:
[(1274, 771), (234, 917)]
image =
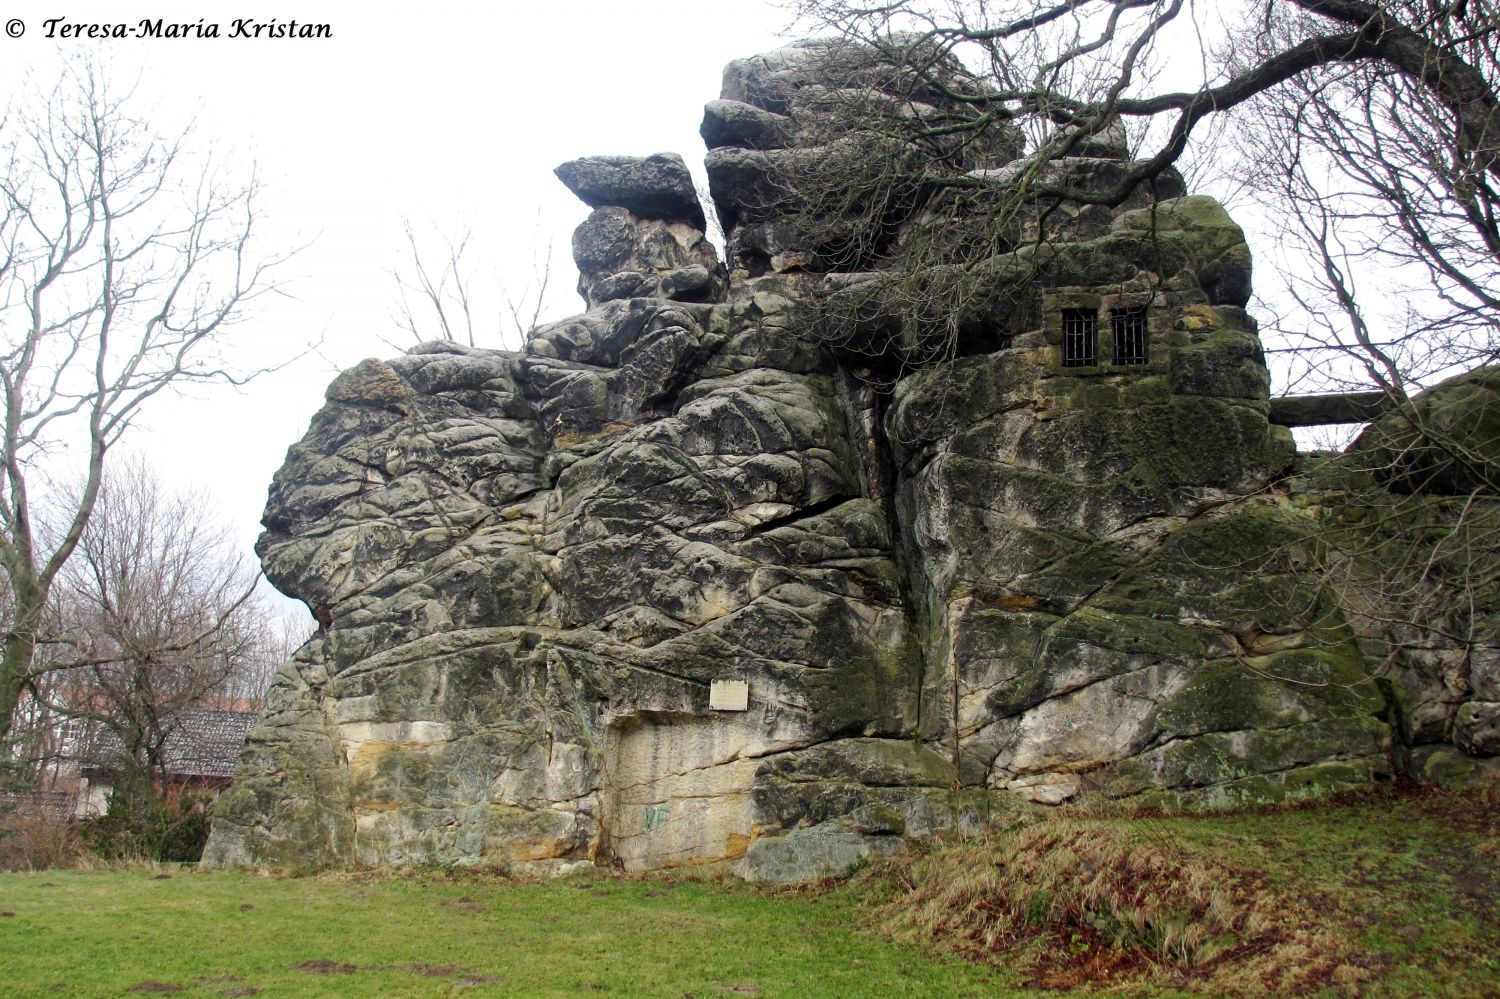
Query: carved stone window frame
[(1151, 355)]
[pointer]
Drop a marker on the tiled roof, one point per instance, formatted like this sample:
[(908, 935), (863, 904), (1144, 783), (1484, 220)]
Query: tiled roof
[(203, 743), (58, 803)]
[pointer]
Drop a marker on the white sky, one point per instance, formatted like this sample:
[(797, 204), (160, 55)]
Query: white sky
[(448, 114)]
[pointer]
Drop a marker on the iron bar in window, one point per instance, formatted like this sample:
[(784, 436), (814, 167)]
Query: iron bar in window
[(1080, 338), (1131, 342)]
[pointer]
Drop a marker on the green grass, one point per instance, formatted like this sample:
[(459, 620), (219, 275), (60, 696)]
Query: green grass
[(81, 933), (1389, 894), (1412, 880)]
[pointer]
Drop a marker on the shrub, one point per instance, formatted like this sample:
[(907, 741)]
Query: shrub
[(36, 838), (173, 828)]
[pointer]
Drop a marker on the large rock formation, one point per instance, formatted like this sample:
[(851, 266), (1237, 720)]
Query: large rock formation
[(694, 577)]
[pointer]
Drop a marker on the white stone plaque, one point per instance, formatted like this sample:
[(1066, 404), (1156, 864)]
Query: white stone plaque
[(729, 695)]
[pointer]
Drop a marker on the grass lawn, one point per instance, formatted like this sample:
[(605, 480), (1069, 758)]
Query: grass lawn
[(121, 933), (1388, 894)]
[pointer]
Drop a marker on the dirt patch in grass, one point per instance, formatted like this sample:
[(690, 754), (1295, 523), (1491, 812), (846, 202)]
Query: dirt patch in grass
[(326, 967), (422, 969), (154, 987), (1105, 965), (434, 970), (1469, 815), (1475, 810), (465, 905)]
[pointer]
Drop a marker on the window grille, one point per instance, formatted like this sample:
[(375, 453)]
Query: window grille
[(1131, 343), (1080, 338)]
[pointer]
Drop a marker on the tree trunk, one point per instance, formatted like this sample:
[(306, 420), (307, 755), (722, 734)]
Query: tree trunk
[(20, 651)]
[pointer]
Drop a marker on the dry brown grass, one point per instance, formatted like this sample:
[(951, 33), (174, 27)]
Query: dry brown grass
[(1080, 901), (35, 839)]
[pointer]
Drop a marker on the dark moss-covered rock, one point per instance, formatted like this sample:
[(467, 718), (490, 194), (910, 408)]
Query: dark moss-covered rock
[(734, 123), (1219, 255), (1445, 439)]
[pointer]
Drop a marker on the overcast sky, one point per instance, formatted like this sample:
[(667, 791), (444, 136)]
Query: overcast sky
[(447, 114)]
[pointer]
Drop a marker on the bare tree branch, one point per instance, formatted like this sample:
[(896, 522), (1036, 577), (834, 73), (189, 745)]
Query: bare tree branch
[(127, 258)]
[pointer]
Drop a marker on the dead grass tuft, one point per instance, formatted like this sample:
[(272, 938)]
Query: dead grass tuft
[(1077, 901), (36, 839)]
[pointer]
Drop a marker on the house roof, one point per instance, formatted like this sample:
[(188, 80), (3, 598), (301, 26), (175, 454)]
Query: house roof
[(202, 744), (58, 803)]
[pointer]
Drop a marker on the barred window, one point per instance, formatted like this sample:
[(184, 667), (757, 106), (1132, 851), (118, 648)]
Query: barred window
[(1080, 338), (1131, 344)]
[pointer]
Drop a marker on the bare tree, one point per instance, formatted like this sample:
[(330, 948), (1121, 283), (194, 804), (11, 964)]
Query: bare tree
[(1386, 212), (154, 615), (124, 261), (447, 292), (437, 297), (269, 643)]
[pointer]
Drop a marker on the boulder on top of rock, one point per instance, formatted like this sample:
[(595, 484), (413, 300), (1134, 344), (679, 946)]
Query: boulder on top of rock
[(733, 123), (371, 382), (658, 186), (1445, 440)]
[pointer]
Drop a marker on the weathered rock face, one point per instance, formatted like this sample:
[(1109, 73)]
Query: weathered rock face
[(1418, 514), (676, 584)]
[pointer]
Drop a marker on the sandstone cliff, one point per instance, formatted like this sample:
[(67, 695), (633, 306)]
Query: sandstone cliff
[(1014, 573)]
